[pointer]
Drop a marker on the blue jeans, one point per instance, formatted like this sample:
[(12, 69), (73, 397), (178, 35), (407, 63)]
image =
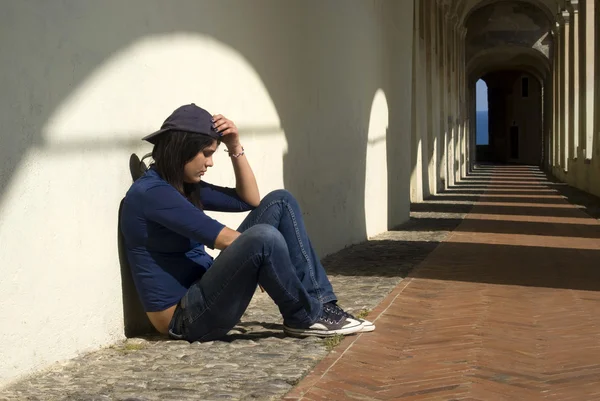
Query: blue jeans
[(273, 251)]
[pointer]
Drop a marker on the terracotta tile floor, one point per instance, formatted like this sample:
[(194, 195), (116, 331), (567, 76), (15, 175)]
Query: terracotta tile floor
[(508, 308)]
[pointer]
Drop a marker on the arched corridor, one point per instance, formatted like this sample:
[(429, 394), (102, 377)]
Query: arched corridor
[(538, 60), (514, 289)]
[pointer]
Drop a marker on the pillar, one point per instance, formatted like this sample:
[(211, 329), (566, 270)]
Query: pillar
[(554, 160), (434, 91), (419, 112), (575, 87), (454, 94), (426, 83), (443, 51), (451, 168), (590, 66), (462, 114), (457, 124), (566, 85), (560, 92), (472, 122)]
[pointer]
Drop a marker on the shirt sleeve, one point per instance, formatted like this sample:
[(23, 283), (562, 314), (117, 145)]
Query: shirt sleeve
[(164, 205), (221, 199)]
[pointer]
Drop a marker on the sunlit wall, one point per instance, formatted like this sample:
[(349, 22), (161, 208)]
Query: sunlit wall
[(83, 81)]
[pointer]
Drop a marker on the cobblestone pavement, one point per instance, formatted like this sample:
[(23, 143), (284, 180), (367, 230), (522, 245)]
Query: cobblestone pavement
[(256, 361)]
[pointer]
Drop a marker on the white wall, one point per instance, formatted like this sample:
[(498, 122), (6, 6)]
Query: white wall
[(82, 81)]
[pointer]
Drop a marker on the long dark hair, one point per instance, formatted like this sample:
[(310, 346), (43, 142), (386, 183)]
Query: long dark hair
[(171, 152)]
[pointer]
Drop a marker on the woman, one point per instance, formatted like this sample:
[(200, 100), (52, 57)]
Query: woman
[(184, 292)]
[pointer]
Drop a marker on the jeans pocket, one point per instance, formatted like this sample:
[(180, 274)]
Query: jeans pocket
[(176, 330)]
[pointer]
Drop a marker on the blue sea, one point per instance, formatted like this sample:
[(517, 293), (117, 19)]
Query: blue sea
[(482, 128)]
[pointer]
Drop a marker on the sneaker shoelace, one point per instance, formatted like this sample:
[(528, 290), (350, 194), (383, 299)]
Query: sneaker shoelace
[(330, 317), (334, 308)]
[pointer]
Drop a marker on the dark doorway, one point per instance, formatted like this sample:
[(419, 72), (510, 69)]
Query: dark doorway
[(524, 87)]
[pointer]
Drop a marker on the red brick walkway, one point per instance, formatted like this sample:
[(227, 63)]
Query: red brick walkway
[(507, 309)]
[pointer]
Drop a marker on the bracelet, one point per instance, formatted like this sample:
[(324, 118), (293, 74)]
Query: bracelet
[(235, 154)]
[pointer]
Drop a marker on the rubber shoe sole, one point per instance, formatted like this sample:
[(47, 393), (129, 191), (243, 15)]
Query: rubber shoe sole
[(367, 326), (352, 326)]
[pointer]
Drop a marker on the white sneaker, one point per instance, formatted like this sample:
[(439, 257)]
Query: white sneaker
[(367, 326), (328, 324)]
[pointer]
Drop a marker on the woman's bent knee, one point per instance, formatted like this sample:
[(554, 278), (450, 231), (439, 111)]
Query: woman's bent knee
[(263, 234), (279, 194)]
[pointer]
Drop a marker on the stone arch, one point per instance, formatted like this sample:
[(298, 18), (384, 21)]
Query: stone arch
[(512, 24), (468, 7), (509, 58)]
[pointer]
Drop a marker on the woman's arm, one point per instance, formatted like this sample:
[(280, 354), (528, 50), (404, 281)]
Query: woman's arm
[(164, 205), (221, 199), (245, 182)]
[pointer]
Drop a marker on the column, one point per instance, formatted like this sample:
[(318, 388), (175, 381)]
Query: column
[(560, 91), (548, 121), (461, 102), (443, 95), (464, 111), (448, 97), (451, 168), (575, 87), (426, 84), (415, 143), (434, 98), (440, 96), (590, 58), (472, 121), (456, 122), (566, 61), (556, 98), (419, 116)]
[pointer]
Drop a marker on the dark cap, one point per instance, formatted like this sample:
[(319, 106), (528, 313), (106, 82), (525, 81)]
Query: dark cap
[(188, 118)]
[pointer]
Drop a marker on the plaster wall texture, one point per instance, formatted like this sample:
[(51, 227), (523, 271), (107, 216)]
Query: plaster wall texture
[(321, 92)]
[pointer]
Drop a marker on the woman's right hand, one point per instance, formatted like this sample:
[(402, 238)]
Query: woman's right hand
[(226, 238)]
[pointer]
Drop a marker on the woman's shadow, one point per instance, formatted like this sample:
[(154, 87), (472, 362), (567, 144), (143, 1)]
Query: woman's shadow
[(254, 331), (135, 320)]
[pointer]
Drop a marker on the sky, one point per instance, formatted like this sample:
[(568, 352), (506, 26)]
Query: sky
[(481, 96)]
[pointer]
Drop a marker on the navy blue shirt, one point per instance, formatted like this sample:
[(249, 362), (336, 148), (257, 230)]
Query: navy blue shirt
[(165, 235)]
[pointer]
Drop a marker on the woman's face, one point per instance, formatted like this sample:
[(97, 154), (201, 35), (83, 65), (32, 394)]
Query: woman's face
[(195, 168)]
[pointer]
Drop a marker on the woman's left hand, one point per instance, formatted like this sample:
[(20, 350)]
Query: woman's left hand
[(229, 132)]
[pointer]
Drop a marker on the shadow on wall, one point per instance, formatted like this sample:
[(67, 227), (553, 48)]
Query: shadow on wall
[(68, 131)]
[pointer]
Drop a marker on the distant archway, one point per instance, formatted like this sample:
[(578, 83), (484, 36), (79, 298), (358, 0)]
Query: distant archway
[(514, 118), (481, 108)]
